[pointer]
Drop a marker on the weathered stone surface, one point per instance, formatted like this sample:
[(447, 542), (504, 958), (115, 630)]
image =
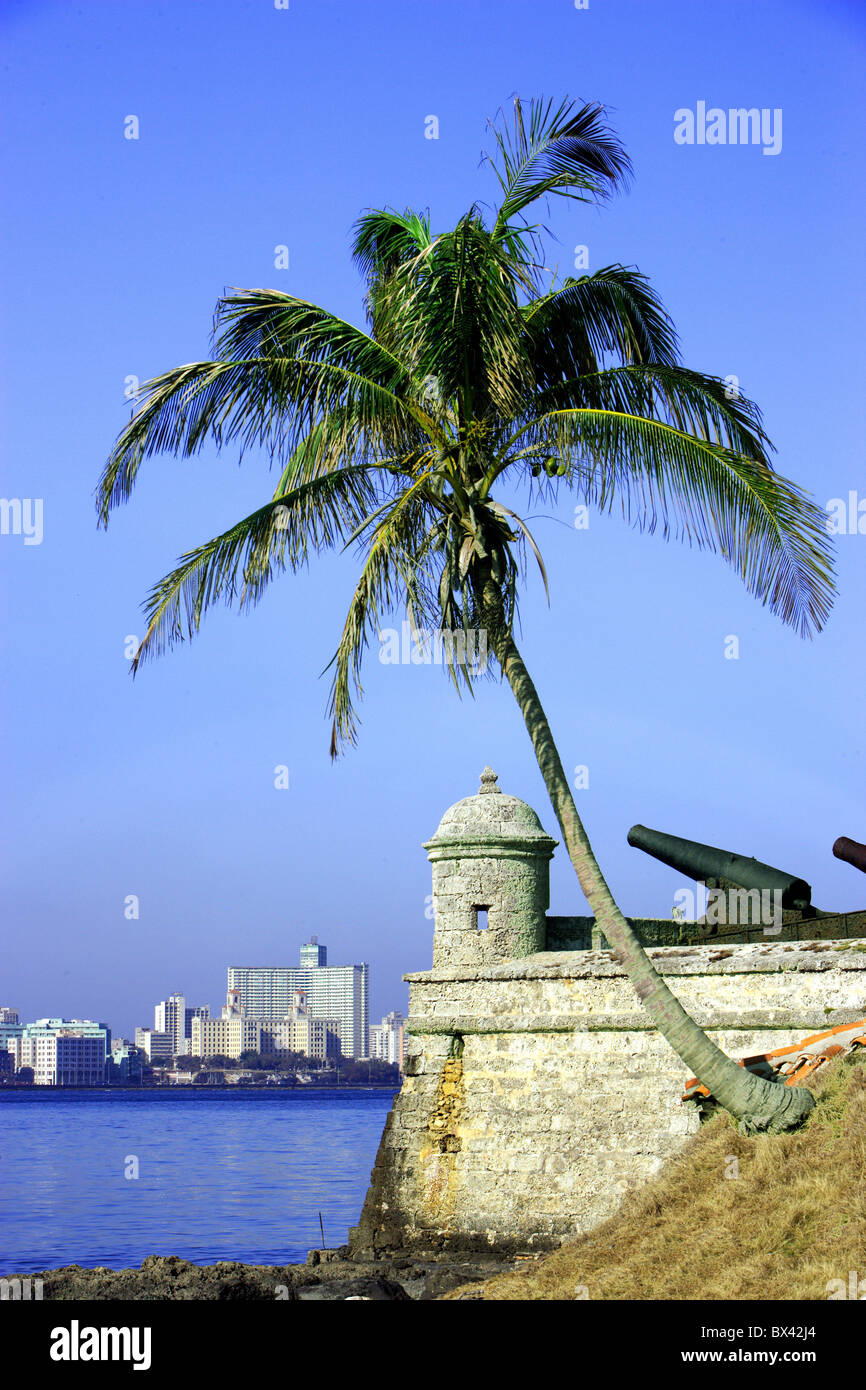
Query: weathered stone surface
[(537, 1090), (565, 1095), (581, 933), (491, 854)]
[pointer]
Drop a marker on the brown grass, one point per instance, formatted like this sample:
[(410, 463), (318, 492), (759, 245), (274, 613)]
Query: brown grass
[(793, 1219)]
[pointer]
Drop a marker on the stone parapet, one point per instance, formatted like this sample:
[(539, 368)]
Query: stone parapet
[(537, 1091), (581, 933)]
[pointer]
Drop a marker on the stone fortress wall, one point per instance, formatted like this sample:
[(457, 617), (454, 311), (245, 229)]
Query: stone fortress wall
[(537, 1090)]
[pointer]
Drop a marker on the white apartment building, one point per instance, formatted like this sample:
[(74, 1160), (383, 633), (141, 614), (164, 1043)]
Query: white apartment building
[(169, 1016), (63, 1058), (174, 1017), (388, 1039), (340, 992)]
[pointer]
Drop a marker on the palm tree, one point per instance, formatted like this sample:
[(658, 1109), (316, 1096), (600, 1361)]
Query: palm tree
[(481, 370)]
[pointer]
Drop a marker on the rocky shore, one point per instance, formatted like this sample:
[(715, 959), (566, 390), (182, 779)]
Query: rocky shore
[(327, 1276)]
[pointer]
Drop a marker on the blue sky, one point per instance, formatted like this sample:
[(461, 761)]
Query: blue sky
[(261, 127)]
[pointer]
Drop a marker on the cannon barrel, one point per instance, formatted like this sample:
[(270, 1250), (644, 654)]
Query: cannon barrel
[(851, 851), (701, 862)]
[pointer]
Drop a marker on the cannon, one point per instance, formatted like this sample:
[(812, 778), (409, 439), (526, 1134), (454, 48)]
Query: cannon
[(851, 851), (704, 862)]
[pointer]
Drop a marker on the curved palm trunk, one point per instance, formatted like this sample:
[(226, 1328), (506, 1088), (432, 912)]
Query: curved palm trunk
[(757, 1104)]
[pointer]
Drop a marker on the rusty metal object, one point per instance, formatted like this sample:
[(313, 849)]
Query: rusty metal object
[(851, 851), (702, 862), (791, 1065)]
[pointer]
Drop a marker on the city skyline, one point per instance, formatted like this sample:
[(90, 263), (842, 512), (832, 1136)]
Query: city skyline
[(90, 1045), (173, 1016)]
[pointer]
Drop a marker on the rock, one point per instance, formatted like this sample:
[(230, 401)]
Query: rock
[(376, 1290)]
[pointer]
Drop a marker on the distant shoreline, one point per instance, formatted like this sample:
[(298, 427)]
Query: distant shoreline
[(190, 1088)]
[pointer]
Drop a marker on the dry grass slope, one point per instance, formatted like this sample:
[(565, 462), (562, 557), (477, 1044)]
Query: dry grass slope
[(793, 1219)]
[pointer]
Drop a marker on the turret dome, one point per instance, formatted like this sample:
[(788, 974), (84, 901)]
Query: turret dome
[(491, 858), (490, 814)]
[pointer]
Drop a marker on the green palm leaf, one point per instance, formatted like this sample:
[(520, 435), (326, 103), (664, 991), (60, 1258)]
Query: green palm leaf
[(765, 526), (240, 563), (567, 150)]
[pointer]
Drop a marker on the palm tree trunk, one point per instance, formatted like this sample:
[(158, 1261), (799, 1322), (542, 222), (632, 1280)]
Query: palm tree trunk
[(757, 1104)]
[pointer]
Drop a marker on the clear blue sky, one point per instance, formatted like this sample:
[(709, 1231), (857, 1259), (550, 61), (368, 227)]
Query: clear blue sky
[(261, 127)]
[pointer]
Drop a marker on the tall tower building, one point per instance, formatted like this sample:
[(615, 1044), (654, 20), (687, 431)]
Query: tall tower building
[(313, 956), (173, 1017), (169, 1016)]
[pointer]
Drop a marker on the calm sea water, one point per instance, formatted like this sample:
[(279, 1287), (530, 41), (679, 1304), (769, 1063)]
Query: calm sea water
[(223, 1175)]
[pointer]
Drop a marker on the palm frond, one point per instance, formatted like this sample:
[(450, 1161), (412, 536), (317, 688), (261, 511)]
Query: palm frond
[(385, 579), (764, 526), (530, 540), (268, 402), (567, 150), (453, 314), (384, 239), (261, 323), (692, 402), (241, 562), (574, 328)]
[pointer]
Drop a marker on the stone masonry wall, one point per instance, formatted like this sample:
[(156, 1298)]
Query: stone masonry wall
[(513, 890), (537, 1092)]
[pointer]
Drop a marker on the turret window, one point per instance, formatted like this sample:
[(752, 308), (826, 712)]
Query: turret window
[(481, 917)]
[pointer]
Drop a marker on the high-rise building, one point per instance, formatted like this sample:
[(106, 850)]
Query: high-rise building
[(313, 956), (197, 1011), (339, 992), (388, 1039), (174, 1017), (169, 1016), (10, 1032)]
